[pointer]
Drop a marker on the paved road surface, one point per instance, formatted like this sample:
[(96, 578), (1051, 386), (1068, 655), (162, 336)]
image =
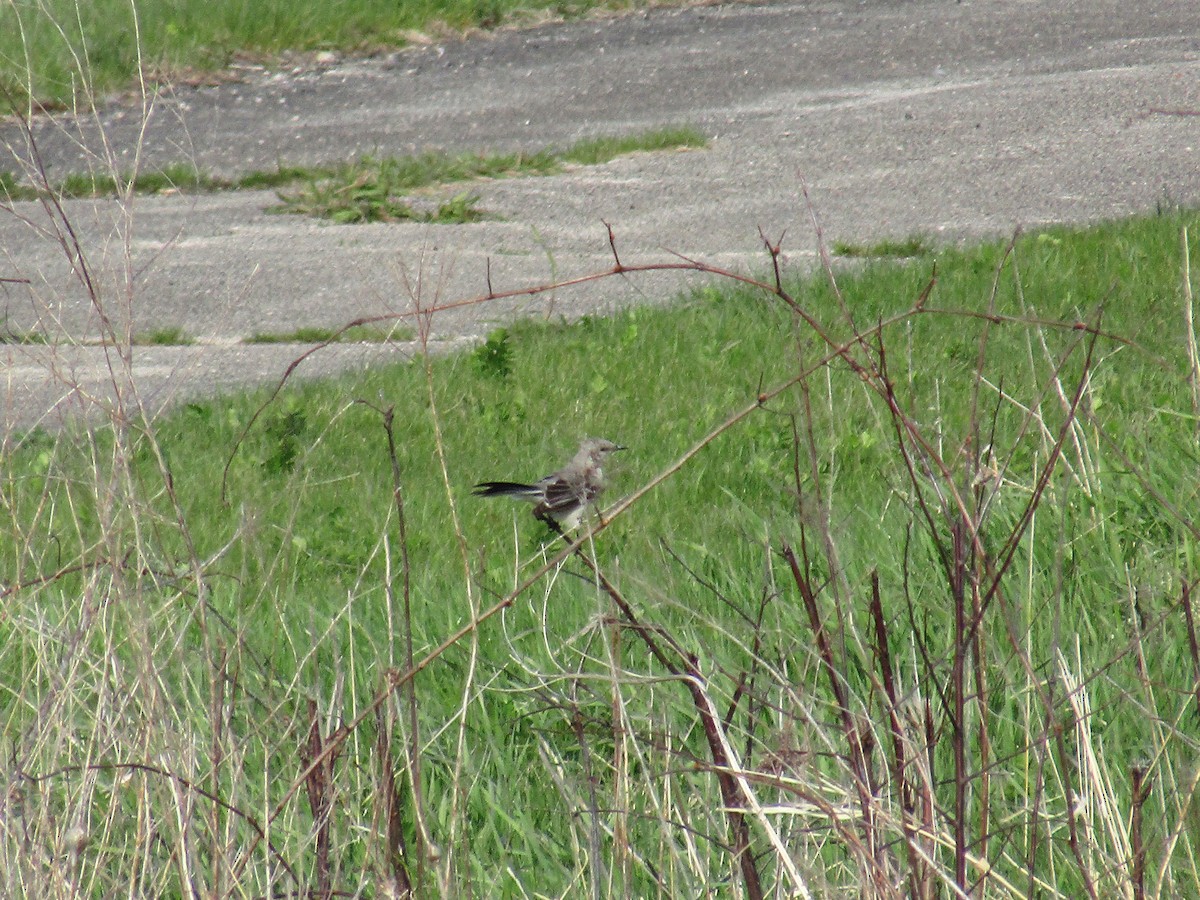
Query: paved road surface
[(950, 119)]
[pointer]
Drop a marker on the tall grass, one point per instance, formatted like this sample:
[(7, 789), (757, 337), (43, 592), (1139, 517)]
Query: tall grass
[(912, 601)]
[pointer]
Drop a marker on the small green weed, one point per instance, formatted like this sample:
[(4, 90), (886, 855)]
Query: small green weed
[(284, 434), (175, 177), (458, 210), (11, 189), (373, 334), (364, 199), (370, 191), (303, 335), (86, 184), (493, 358)]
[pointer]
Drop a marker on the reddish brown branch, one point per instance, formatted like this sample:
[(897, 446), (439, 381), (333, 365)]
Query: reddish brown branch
[(859, 741), (1193, 645), (1141, 790), (318, 781), (920, 879)]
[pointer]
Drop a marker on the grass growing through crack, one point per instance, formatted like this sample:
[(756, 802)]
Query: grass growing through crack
[(379, 190), (358, 334), (372, 199), (885, 249), (170, 336), (22, 337), (150, 667), (174, 178), (372, 189), (597, 150), (181, 177)]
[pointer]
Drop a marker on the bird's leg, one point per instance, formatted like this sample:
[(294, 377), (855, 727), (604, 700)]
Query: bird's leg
[(550, 523)]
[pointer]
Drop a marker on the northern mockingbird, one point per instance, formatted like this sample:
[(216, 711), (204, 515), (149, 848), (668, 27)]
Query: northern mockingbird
[(561, 498)]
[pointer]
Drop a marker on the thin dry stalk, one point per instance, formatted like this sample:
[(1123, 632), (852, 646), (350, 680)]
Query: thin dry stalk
[(395, 846), (1186, 799), (218, 681), (622, 852), (591, 803), (425, 315), (1189, 321)]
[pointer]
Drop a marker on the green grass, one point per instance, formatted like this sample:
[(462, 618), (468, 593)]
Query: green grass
[(885, 249), (23, 337), (163, 337), (358, 334), (181, 177), (44, 53), (12, 189), (161, 621), (173, 178), (594, 151)]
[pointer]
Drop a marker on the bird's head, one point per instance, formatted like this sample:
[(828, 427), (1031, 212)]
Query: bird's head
[(596, 450)]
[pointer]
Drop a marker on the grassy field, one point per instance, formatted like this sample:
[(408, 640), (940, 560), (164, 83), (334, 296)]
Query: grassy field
[(903, 598), (52, 49)]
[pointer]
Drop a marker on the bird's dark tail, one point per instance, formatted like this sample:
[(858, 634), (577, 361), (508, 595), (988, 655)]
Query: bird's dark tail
[(506, 489)]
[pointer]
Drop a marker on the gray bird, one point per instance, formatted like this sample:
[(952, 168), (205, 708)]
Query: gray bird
[(561, 498)]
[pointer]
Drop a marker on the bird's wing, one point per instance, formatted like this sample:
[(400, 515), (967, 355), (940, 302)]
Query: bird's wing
[(560, 494)]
